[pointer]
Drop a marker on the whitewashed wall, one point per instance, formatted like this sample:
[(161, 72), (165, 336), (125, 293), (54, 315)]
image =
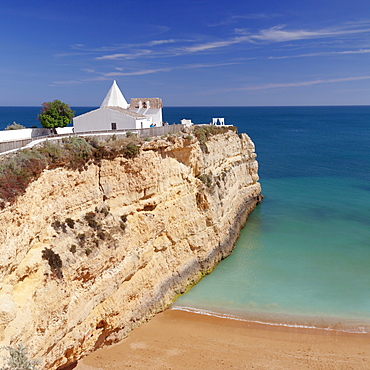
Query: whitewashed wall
[(26, 133), (102, 118), (156, 115)]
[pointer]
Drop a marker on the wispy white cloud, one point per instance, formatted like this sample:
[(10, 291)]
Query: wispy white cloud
[(300, 83), (325, 53), (102, 76), (159, 48), (214, 45), (89, 70), (235, 18), (77, 46), (161, 42), (132, 50), (66, 83), (168, 69), (277, 34), (141, 72), (133, 55)]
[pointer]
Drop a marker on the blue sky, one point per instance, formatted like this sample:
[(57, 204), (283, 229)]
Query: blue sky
[(189, 53)]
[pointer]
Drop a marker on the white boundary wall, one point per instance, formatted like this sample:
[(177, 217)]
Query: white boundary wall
[(26, 133), (29, 133)]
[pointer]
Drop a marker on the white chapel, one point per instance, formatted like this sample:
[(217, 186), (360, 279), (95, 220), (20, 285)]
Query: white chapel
[(116, 114)]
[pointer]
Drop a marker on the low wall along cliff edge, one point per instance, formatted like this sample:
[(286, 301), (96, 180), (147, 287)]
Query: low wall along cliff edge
[(13, 140), (89, 255)]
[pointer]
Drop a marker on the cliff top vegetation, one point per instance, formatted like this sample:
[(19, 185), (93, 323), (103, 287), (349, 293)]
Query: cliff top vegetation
[(204, 132), (18, 170)]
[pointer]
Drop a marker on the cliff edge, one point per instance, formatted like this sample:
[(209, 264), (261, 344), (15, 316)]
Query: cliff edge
[(89, 255)]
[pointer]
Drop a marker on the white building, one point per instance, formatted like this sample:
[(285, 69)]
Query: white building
[(151, 107), (116, 114)]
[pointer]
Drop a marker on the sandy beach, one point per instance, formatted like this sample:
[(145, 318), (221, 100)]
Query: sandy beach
[(181, 340)]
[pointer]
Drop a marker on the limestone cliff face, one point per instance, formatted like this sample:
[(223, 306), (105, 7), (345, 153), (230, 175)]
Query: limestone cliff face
[(131, 235)]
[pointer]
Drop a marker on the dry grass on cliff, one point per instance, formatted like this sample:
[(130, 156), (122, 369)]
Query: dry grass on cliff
[(17, 171), (204, 132)]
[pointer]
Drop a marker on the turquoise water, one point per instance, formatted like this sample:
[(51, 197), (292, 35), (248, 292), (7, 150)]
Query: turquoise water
[(303, 257)]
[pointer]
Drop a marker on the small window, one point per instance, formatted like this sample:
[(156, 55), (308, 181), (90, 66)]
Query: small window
[(114, 125)]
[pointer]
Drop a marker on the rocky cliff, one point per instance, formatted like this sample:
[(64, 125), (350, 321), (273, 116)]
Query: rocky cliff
[(89, 255)]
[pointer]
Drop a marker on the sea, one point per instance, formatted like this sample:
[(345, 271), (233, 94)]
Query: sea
[(303, 256)]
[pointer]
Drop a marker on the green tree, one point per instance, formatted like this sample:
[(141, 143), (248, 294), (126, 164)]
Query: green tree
[(55, 114)]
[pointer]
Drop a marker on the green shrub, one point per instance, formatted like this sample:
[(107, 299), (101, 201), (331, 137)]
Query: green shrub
[(105, 210), (104, 152), (15, 126), (88, 251), (70, 222), (91, 221), (206, 180), (122, 225), (18, 360), (93, 224), (57, 225), (53, 152), (90, 216), (17, 171), (73, 248), (79, 152), (81, 238), (130, 150), (54, 261)]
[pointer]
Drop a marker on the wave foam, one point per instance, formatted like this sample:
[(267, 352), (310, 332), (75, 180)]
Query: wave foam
[(358, 330)]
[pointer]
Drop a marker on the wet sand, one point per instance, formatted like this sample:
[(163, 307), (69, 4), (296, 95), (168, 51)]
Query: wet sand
[(182, 340)]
